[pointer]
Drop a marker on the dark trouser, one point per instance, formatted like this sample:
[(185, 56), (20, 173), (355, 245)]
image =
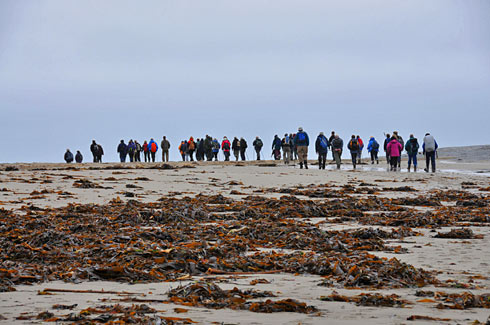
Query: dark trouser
[(191, 154), (387, 158), (374, 156), (399, 161), (236, 153), (183, 156), (337, 156), (152, 156), (147, 156), (131, 157), (95, 158), (277, 154), (412, 157), (322, 157), (165, 155), (209, 155), (99, 158), (137, 157), (122, 157), (242, 154), (353, 155), (227, 155), (257, 151), (430, 157), (215, 155), (394, 162), (286, 151)]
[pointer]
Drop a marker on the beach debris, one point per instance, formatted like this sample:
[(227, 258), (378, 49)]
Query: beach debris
[(422, 317), (368, 299), (463, 233)]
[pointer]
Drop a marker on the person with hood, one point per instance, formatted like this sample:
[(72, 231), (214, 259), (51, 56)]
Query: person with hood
[(399, 139), (200, 149), (208, 148), (412, 148), (93, 150), (302, 141), (226, 146), (78, 157), (387, 140), (215, 149), (137, 156), (146, 151), (191, 147), (330, 139), (122, 149), (361, 146), (153, 148), (321, 148), (394, 149), (286, 148), (276, 147), (183, 149), (373, 149), (429, 148), (68, 156), (243, 148), (258, 144), (165, 145), (337, 145), (235, 146), (131, 150), (353, 146)]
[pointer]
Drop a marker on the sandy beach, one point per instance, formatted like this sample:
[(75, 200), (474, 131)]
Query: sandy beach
[(381, 227)]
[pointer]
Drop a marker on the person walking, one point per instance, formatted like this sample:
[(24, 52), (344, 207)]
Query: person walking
[(78, 157), (200, 149), (276, 147), (330, 140), (243, 148), (226, 146), (321, 148), (153, 148), (337, 145), (216, 147), (68, 156), (191, 147), (286, 148), (137, 154), (93, 150), (131, 150), (399, 139), (373, 149), (235, 146), (146, 151), (385, 144), (208, 148), (294, 148), (394, 149), (412, 148), (258, 144), (302, 141), (353, 146), (361, 146), (122, 149), (165, 145), (183, 149), (429, 148)]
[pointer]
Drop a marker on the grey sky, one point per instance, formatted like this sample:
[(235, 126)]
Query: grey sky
[(73, 71)]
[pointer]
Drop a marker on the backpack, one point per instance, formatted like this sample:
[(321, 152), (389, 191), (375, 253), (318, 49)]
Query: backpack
[(354, 145), (215, 145), (259, 143), (192, 146), (375, 145), (153, 147), (323, 143), (286, 140), (226, 146), (301, 138)]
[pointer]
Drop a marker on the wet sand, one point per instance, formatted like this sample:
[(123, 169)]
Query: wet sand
[(465, 261)]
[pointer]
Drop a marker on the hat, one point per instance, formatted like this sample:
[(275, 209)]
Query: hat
[(300, 129), (321, 133)]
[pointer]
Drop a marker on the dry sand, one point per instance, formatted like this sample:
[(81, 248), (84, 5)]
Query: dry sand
[(454, 259)]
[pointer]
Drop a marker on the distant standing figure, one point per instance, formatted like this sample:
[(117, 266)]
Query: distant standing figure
[(353, 146), (226, 146), (286, 148), (183, 149), (361, 146), (276, 147), (332, 136), (399, 139), (243, 148), (301, 141), (235, 146), (78, 157), (216, 147), (165, 144), (337, 148), (146, 151), (429, 149), (394, 149), (122, 149), (387, 140), (137, 156), (258, 144), (191, 147), (131, 150), (94, 149), (412, 148), (294, 148), (68, 156), (373, 149), (153, 148), (321, 148)]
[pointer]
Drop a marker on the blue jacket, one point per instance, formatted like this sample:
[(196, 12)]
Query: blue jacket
[(371, 143), (301, 143), (276, 144), (122, 148), (318, 147), (216, 146), (149, 145)]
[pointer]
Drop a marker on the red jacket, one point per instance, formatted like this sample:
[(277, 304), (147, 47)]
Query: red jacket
[(223, 145), (145, 147)]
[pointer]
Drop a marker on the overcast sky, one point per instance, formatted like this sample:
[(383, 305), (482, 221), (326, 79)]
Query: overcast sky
[(73, 71)]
